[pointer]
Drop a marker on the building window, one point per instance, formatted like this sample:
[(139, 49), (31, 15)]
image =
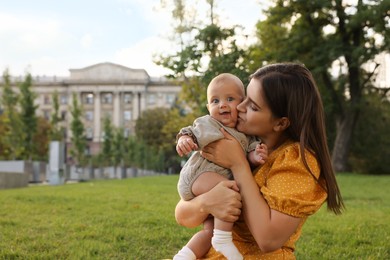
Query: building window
[(89, 133), (107, 98), (63, 115), (127, 98), (88, 98), (127, 115), (64, 99), (126, 132), (46, 114), (151, 99), (87, 150), (89, 115), (170, 98), (46, 100)]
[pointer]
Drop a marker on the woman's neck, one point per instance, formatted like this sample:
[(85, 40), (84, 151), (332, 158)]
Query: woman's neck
[(274, 142)]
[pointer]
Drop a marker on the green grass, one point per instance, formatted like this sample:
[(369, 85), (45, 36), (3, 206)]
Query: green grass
[(134, 219)]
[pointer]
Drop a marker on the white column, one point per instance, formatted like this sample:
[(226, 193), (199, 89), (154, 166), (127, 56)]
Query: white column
[(96, 117), (69, 117), (135, 102), (143, 102), (116, 114)]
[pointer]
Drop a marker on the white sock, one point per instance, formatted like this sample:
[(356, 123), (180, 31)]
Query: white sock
[(222, 241), (185, 254)]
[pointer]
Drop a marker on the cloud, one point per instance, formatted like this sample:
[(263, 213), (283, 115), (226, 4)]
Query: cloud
[(30, 32), (140, 56)]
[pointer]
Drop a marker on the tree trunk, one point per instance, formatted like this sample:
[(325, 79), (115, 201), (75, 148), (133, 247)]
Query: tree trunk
[(342, 144)]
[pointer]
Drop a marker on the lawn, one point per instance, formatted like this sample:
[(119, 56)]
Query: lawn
[(134, 219)]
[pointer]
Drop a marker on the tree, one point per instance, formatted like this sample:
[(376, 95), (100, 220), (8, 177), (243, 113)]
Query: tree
[(28, 116), (13, 136), (78, 139), (118, 147), (108, 139), (371, 152), (41, 140), (57, 132), (324, 35), (204, 52), (150, 124)]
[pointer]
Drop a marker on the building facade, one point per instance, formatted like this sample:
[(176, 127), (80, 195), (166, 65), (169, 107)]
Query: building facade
[(104, 90)]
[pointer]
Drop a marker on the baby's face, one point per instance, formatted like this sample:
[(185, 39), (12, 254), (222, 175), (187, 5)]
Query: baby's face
[(222, 101)]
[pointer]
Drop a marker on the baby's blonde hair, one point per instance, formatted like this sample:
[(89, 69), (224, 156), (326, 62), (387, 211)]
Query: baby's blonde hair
[(223, 77)]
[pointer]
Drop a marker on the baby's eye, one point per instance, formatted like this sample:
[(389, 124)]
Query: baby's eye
[(230, 99), (215, 101)]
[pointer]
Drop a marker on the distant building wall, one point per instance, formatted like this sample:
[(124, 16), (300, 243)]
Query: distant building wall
[(103, 90)]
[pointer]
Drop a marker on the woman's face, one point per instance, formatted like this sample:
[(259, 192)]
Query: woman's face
[(254, 115)]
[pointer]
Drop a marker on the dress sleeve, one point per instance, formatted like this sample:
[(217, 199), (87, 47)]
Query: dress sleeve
[(290, 188)]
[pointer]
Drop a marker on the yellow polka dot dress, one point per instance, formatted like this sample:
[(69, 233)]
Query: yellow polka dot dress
[(288, 187)]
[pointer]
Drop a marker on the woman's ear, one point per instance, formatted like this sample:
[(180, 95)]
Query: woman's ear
[(282, 124)]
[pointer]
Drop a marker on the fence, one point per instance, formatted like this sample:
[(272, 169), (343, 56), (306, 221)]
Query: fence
[(14, 174)]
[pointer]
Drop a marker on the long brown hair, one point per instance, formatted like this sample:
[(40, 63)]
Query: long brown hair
[(290, 91)]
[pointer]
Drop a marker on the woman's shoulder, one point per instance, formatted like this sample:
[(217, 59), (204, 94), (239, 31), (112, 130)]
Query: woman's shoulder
[(290, 153), (292, 149)]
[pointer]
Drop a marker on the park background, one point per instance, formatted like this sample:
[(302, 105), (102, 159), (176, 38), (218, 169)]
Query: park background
[(339, 41)]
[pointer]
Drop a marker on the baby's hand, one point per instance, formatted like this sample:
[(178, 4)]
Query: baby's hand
[(185, 145), (261, 153)]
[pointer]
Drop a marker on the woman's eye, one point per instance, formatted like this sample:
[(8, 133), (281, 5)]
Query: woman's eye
[(253, 107)]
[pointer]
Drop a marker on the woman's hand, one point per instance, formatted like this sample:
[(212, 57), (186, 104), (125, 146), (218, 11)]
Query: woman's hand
[(226, 152), (223, 202)]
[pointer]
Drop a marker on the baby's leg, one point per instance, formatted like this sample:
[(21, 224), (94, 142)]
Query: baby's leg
[(206, 181), (222, 239), (200, 243)]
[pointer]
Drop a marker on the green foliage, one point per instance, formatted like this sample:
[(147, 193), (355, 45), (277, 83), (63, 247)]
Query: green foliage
[(371, 150), (41, 140), (13, 135), (321, 34), (57, 132), (135, 215), (156, 145), (78, 139), (118, 146), (150, 124), (28, 116), (108, 140), (209, 50)]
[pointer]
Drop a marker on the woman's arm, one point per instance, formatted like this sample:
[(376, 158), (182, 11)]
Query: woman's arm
[(270, 228), (223, 202)]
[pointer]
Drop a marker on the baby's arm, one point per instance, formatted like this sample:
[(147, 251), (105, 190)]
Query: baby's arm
[(258, 156), (185, 145), (204, 130)]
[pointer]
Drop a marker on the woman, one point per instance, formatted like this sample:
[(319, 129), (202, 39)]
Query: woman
[(284, 109)]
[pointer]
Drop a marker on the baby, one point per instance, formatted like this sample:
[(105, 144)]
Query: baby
[(198, 175)]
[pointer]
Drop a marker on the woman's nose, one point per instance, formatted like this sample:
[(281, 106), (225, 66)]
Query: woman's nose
[(241, 107)]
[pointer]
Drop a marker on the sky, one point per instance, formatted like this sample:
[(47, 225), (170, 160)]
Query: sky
[(47, 38)]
